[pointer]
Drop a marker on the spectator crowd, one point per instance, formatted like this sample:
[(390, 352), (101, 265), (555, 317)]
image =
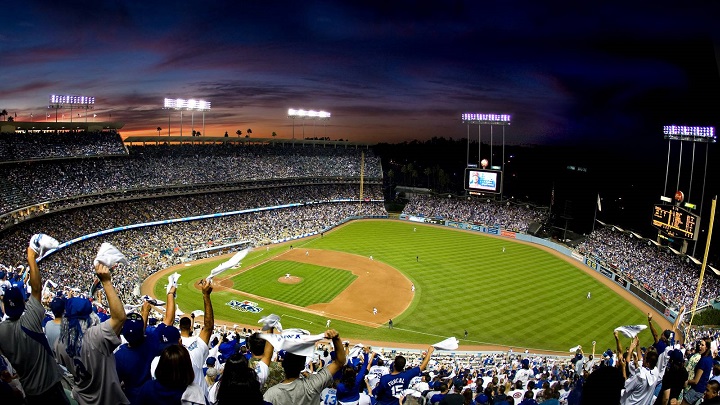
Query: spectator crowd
[(666, 273), (511, 216)]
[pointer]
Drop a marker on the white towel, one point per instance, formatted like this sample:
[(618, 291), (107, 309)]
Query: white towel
[(228, 264), (129, 308), (198, 312), (270, 321), (109, 255), (172, 282), (153, 301), (43, 244), (293, 341), (356, 351), (574, 349), (631, 330), (450, 343)]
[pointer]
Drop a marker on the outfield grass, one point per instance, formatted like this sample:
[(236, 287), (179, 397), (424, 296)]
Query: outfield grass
[(524, 297)]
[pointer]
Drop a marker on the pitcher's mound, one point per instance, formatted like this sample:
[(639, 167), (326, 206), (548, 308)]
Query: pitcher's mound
[(289, 280)]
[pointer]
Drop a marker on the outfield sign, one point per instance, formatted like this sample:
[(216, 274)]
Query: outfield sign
[(244, 306)]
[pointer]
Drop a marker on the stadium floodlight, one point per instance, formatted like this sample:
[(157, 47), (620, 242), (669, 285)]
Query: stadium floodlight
[(486, 119), (306, 115), (690, 133), (187, 104), (60, 101), (183, 104)]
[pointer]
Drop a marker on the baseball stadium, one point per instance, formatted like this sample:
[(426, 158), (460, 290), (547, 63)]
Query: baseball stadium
[(321, 249)]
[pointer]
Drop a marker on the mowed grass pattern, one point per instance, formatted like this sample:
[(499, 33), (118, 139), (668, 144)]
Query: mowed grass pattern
[(525, 297), (319, 284)]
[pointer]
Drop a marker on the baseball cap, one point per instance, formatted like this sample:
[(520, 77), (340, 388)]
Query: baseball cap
[(212, 372), (132, 329), (14, 303), (57, 306), (525, 362), (169, 335), (676, 356), (210, 361), (2, 274)]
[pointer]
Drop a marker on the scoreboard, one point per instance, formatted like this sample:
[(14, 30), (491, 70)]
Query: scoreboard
[(675, 222)]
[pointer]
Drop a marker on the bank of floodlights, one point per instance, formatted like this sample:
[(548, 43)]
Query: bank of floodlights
[(306, 115), (191, 105), (690, 133), (58, 102)]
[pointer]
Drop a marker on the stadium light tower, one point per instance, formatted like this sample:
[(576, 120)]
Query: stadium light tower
[(694, 134), (183, 104), (487, 119), (83, 102), (306, 115)]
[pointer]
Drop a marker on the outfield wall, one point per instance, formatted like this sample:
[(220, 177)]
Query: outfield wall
[(646, 295)]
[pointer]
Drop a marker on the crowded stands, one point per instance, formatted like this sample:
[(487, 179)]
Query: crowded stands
[(57, 346)]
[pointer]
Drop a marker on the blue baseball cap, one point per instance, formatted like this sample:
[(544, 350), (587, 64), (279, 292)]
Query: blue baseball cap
[(14, 302)]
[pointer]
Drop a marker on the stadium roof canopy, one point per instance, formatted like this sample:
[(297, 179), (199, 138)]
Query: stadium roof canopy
[(29, 126), (229, 139)]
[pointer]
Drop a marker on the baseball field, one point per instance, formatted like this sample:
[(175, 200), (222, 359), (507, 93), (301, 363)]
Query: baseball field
[(502, 292)]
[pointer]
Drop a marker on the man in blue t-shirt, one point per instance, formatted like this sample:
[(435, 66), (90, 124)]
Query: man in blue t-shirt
[(133, 359), (391, 385)]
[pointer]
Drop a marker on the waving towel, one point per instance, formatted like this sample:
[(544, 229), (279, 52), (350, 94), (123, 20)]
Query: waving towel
[(109, 255), (153, 301), (574, 349), (43, 244), (294, 341), (450, 343), (631, 330), (271, 321), (235, 260), (172, 282)]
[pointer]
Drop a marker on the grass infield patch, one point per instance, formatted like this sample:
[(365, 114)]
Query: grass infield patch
[(319, 284)]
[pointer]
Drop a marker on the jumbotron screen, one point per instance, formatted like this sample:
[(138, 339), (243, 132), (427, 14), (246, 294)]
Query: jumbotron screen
[(479, 180)]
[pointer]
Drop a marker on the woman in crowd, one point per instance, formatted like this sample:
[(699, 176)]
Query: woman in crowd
[(702, 373), (173, 383), (237, 381)]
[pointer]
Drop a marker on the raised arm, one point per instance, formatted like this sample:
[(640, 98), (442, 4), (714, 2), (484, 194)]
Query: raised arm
[(170, 307), (426, 360), (269, 349), (678, 337), (117, 311), (652, 328), (35, 280), (145, 313), (340, 359), (209, 317)]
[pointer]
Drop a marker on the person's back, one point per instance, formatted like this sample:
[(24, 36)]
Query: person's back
[(25, 345)]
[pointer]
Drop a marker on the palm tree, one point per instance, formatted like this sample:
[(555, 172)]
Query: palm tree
[(239, 133), (249, 131), (158, 129), (428, 172), (274, 134), (4, 114)]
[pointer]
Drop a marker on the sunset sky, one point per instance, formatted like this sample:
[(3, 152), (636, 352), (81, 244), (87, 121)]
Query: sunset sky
[(387, 71)]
